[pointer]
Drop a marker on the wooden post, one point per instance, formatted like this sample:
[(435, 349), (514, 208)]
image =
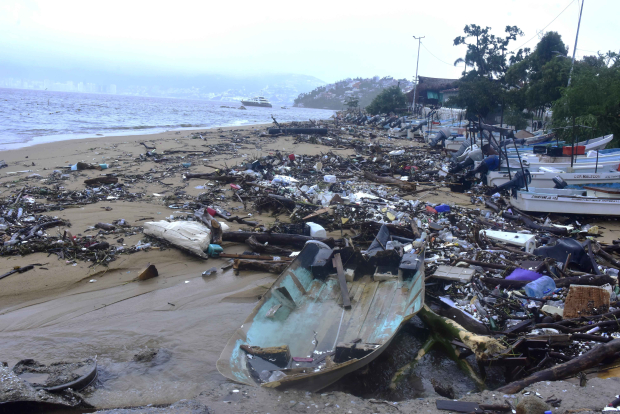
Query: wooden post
[(344, 291)]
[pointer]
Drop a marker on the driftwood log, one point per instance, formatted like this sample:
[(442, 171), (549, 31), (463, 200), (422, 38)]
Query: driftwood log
[(213, 177), (395, 230), (269, 249), (590, 280), (533, 225), (101, 180), (262, 265), (598, 250), (405, 185), (286, 202), (567, 369), (276, 238), (237, 219)]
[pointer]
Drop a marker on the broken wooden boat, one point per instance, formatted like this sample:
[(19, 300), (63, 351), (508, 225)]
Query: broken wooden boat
[(320, 320)]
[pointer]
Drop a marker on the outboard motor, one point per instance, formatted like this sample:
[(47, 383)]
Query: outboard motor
[(518, 181), (475, 155), (559, 182), (473, 140), (441, 135), (488, 164)]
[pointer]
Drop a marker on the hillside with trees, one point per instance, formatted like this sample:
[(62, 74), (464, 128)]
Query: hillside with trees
[(519, 86), (357, 92)]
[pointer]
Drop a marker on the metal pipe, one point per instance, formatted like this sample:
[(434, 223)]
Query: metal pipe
[(572, 146), (575, 48), (415, 85)]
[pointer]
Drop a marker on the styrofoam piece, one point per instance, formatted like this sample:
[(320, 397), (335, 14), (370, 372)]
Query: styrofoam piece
[(553, 310), (528, 241), (349, 275), (457, 274), (316, 230)]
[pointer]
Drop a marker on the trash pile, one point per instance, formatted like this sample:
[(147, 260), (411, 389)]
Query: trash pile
[(536, 297)]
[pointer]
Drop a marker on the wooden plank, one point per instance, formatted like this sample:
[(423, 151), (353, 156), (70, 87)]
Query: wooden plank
[(344, 291), (457, 406), (358, 314), (373, 323), (255, 257)]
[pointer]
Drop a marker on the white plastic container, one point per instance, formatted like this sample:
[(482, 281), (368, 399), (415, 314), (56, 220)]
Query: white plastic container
[(528, 241), (329, 178), (316, 230)]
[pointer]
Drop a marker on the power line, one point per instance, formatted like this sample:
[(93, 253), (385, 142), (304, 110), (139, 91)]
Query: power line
[(572, 1), (436, 56)]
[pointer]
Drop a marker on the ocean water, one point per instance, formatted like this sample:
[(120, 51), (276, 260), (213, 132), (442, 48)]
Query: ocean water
[(29, 117)]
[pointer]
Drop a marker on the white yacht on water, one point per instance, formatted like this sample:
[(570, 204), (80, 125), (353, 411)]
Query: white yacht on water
[(257, 101)]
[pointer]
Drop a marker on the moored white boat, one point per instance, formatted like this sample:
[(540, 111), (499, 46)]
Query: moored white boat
[(545, 179), (566, 201)]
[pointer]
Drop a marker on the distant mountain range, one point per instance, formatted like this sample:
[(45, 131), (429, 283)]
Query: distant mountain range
[(336, 95), (280, 89)]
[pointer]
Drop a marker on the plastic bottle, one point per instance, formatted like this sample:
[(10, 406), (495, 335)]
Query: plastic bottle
[(540, 287)]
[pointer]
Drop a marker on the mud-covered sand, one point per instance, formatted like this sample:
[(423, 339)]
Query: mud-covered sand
[(58, 314)]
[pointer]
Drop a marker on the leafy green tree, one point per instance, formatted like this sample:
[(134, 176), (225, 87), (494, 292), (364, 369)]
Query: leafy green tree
[(515, 118), (482, 90), (352, 103), (536, 81), (387, 101), (593, 98)]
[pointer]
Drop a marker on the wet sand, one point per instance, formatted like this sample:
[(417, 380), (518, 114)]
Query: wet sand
[(58, 314)]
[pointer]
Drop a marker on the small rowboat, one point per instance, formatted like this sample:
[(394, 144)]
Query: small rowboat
[(305, 333), (589, 201)]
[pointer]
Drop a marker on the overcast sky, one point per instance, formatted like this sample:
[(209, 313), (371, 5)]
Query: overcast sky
[(331, 40)]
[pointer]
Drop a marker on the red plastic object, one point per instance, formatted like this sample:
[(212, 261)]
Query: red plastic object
[(234, 186), (211, 211), (431, 210), (579, 150), (291, 157)]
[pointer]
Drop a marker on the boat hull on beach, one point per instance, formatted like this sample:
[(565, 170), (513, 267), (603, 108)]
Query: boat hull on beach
[(545, 179), (567, 201), (311, 320)]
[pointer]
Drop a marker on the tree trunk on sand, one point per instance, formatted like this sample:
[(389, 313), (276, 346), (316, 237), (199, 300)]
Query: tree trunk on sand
[(567, 369), (483, 346), (276, 238), (590, 280), (405, 185), (262, 265), (262, 248), (211, 177)]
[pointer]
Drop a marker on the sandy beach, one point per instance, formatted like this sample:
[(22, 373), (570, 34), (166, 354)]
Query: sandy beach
[(71, 310)]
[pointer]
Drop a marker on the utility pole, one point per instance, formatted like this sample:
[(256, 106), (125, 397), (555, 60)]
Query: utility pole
[(575, 48), (415, 85)]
